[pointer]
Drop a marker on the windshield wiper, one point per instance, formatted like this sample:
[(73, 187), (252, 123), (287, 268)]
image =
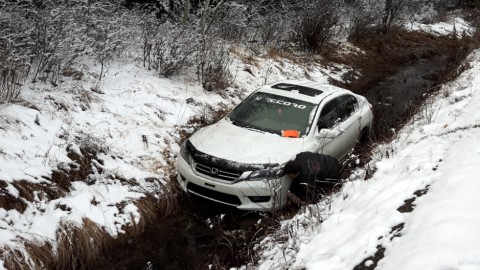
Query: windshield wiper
[(254, 129), (236, 123)]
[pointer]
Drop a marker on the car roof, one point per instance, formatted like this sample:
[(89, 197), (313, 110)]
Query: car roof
[(304, 90)]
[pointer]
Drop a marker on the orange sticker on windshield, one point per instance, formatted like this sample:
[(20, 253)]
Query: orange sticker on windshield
[(291, 133)]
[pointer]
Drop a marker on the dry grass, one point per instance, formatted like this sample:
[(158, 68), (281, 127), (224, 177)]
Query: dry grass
[(79, 245), (244, 56), (15, 259), (278, 54), (147, 206), (41, 254), (36, 255), (170, 202)]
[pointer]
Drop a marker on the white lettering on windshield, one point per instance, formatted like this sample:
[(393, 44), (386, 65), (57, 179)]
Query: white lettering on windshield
[(286, 103)]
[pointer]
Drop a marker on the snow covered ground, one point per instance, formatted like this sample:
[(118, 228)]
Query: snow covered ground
[(454, 25), (418, 211), (131, 118)]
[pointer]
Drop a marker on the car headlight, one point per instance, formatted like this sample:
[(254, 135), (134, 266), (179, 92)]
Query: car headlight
[(265, 174), (184, 153)]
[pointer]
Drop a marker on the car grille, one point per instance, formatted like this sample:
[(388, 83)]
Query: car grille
[(219, 173), (212, 194)]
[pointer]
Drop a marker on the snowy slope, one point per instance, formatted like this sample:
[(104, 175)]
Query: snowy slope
[(433, 167), (131, 117)]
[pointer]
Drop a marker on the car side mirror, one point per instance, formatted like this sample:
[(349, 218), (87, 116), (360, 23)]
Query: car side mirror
[(327, 133)]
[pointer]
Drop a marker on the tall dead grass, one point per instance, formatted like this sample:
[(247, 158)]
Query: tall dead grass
[(147, 206), (79, 245), (35, 255), (41, 254)]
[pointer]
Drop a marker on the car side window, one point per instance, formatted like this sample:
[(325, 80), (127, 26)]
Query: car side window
[(347, 104), (328, 116)]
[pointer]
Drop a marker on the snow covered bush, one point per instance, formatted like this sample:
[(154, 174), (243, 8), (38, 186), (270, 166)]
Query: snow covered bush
[(314, 25), (363, 18), (39, 39), (168, 48), (213, 61)]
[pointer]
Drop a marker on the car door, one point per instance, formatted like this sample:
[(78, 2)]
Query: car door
[(349, 124), (338, 126), (327, 132)]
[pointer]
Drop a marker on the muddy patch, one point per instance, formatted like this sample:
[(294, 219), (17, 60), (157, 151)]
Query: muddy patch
[(371, 262), (396, 231), (409, 204)]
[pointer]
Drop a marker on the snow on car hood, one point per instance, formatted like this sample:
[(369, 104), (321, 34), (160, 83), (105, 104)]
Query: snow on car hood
[(227, 141)]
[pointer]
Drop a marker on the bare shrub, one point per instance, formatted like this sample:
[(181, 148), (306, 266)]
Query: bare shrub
[(363, 19), (272, 30), (168, 49), (108, 31), (230, 22), (14, 56), (314, 25), (79, 245), (212, 66), (12, 76)]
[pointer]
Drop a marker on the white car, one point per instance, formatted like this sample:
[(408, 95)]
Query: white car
[(238, 160)]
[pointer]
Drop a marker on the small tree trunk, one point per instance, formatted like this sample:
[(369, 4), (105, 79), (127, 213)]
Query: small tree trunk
[(185, 13), (388, 13), (102, 60), (203, 19)]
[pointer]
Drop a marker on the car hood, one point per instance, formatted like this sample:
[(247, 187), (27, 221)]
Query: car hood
[(227, 141)]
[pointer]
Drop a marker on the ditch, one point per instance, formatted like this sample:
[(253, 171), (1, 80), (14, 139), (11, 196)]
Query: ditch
[(204, 234)]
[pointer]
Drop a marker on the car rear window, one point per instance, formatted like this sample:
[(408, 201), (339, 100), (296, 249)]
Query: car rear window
[(297, 88)]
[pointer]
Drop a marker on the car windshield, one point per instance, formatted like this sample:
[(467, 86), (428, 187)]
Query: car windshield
[(275, 114)]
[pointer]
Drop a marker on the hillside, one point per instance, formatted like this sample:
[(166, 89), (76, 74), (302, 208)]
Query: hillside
[(96, 98)]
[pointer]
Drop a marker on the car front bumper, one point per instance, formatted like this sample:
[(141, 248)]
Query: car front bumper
[(255, 195)]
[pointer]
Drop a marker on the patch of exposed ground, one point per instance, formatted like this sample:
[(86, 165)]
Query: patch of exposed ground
[(396, 231), (409, 205), (371, 262)]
